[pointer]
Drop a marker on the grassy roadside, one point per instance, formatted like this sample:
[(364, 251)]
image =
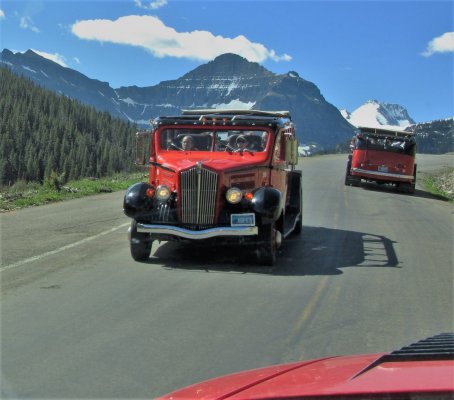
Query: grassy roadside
[(23, 194), (440, 183)]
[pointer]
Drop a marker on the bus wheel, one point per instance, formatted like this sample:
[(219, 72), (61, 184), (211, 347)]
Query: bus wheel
[(267, 244), (406, 187), (351, 180), (140, 243)]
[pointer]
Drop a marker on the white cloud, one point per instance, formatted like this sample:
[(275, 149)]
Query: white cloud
[(152, 34), (57, 58), (153, 5), (441, 44), (76, 60), (2, 14), (27, 23)]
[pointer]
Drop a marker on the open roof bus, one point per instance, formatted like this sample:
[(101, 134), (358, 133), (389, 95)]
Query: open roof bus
[(382, 156)]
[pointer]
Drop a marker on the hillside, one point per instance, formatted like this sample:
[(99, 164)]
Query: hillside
[(435, 137), (43, 133)]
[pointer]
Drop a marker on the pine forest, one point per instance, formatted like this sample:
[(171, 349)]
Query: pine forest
[(43, 133)]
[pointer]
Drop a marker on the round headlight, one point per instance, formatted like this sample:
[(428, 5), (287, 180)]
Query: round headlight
[(162, 193), (234, 195)]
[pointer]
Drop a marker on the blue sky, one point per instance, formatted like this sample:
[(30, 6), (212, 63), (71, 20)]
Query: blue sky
[(392, 51)]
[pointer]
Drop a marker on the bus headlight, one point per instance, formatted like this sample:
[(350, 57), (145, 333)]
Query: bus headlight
[(234, 195), (162, 193)]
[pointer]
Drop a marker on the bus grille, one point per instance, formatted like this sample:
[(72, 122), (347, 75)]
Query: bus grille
[(198, 197)]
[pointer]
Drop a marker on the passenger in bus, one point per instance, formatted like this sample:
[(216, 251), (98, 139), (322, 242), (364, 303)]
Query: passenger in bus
[(187, 143), (242, 144), (264, 141)]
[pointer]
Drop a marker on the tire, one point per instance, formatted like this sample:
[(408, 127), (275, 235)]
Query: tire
[(347, 173), (413, 185), (140, 243), (298, 226), (299, 223), (267, 244), (407, 188), (351, 180)]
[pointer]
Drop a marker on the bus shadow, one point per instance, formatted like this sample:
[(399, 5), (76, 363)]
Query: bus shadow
[(325, 251), (317, 251), (392, 189)]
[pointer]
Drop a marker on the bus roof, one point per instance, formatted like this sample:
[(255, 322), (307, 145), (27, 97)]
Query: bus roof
[(384, 132), (229, 112), (220, 117)]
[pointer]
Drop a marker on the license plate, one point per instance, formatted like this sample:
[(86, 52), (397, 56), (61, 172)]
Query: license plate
[(382, 168), (242, 219)]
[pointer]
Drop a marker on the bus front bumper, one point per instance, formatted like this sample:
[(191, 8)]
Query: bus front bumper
[(220, 231)]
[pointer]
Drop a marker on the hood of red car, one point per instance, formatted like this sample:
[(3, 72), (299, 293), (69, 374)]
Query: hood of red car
[(372, 374)]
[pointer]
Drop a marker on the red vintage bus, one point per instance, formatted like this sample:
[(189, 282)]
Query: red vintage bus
[(217, 175), (383, 156)]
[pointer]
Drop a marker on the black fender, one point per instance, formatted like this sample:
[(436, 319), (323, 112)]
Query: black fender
[(268, 203), (136, 202), (296, 191)]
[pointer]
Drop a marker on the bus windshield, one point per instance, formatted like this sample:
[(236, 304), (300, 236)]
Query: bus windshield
[(213, 140)]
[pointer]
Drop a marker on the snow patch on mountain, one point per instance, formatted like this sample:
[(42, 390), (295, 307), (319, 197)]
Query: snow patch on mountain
[(379, 115), (28, 69), (236, 104), (129, 101), (233, 85), (345, 113)]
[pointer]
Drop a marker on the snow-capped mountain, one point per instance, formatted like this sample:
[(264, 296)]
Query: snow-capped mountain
[(377, 114), (228, 81)]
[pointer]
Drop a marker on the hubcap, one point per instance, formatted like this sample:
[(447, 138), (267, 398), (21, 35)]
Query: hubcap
[(278, 238)]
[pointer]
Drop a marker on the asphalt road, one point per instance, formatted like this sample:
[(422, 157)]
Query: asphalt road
[(372, 271)]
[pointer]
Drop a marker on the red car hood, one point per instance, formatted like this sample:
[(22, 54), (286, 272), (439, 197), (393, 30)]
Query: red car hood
[(219, 161), (371, 374)]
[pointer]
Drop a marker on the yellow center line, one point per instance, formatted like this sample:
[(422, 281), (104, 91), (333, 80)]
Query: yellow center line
[(306, 314), (310, 307)]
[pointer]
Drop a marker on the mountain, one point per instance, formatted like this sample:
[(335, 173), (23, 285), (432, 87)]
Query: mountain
[(50, 138), (436, 137), (69, 82), (380, 115), (228, 81)]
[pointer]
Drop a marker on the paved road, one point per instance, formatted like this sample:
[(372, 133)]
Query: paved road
[(372, 271)]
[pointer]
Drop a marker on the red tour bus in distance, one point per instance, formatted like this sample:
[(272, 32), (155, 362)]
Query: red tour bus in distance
[(383, 156)]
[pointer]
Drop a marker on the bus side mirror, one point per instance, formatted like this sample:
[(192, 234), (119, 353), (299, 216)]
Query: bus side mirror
[(142, 147), (291, 151)]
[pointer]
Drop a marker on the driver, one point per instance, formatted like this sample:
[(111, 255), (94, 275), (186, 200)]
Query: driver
[(187, 143), (242, 143)]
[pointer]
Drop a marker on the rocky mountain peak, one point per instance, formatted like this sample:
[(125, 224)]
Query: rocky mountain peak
[(228, 64), (375, 113)]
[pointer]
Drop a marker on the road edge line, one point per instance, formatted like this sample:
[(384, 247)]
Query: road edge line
[(63, 248)]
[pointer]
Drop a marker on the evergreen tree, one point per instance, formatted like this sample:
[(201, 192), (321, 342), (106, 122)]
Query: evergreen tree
[(43, 134)]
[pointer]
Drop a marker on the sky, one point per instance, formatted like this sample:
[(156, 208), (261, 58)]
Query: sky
[(398, 52)]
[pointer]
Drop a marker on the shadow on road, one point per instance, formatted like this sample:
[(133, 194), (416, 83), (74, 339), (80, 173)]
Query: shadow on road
[(317, 251), (392, 189)]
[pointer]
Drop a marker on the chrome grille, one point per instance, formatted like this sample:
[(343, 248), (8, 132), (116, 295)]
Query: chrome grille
[(198, 197)]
